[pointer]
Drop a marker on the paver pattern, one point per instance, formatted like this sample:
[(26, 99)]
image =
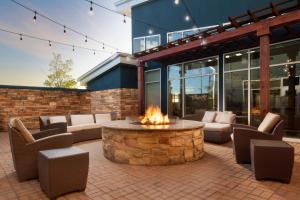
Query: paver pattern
[(215, 176)]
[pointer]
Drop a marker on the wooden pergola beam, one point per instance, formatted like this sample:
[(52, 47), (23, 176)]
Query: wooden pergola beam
[(233, 22), (274, 9), (252, 16), (281, 20)]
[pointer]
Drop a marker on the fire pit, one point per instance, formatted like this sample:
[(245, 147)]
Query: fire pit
[(153, 143)]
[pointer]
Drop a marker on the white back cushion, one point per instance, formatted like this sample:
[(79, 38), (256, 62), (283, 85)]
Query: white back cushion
[(100, 118), (225, 118), (209, 116), (268, 123), (82, 119), (219, 114), (57, 119)]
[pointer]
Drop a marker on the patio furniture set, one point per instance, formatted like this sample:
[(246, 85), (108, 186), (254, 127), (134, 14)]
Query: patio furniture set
[(61, 168), (49, 155)]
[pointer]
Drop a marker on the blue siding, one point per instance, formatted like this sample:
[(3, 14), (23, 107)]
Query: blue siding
[(165, 14), (121, 76)]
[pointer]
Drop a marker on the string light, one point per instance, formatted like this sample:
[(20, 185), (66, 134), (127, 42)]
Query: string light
[(50, 42), (187, 18), (65, 30), (34, 17), (150, 31), (63, 26), (124, 21), (133, 18), (91, 8)]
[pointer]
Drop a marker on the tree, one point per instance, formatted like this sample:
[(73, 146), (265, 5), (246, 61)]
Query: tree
[(60, 70)]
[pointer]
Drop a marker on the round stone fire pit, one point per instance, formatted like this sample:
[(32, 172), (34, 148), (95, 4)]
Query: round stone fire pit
[(132, 143)]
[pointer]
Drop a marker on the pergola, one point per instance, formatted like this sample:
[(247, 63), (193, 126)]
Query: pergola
[(256, 26)]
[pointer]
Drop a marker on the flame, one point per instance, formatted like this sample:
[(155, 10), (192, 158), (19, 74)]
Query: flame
[(153, 115)]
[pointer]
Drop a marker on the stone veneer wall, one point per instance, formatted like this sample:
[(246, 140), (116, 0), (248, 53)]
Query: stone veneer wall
[(29, 104), (124, 102)]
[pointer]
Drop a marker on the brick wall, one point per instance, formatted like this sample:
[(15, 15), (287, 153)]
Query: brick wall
[(29, 104)]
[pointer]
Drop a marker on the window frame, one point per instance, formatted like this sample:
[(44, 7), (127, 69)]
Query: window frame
[(182, 78), (159, 81), (145, 38)]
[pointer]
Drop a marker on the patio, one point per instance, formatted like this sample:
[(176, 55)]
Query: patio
[(215, 176)]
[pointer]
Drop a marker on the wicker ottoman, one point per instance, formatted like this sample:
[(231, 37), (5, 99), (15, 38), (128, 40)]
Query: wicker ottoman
[(272, 159), (63, 170)]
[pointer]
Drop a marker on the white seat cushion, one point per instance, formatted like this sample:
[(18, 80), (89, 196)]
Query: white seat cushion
[(217, 127), (57, 119), (82, 127), (268, 123), (100, 118), (209, 116), (82, 119)]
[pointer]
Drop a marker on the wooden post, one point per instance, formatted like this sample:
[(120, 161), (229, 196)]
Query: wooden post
[(141, 89), (264, 38)]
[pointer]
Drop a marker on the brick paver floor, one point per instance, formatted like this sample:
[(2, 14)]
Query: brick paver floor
[(215, 176)]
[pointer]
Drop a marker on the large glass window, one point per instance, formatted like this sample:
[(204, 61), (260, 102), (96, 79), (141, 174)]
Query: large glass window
[(144, 43), (152, 88), (240, 69), (284, 84), (195, 86)]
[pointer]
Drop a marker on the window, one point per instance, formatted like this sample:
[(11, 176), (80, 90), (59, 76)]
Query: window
[(144, 43), (193, 87), (240, 68), (172, 36), (152, 88)]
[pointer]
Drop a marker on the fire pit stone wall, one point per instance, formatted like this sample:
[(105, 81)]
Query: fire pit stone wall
[(153, 147)]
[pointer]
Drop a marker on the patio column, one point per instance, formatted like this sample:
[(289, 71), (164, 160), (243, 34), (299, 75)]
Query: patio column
[(141, 89), (264, 39)]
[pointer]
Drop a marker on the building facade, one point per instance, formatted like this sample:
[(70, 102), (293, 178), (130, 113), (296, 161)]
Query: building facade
[(218, 77)]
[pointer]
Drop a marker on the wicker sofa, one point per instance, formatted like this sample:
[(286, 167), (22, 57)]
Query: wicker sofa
[(218, 125), (82, 126)]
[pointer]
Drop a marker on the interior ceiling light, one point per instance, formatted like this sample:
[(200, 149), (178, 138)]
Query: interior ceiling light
[(176, 2), (228, 56), (238, 54)]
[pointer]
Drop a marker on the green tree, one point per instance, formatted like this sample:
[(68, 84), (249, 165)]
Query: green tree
[(60, 70)]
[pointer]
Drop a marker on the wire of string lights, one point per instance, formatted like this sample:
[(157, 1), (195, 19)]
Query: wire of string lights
[(51, 42), (151, 26), (64, 27)]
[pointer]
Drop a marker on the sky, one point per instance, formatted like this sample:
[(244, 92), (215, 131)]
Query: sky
[(26, 62)]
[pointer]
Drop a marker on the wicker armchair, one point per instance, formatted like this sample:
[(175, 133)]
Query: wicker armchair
[(242, 134), (25, 154)]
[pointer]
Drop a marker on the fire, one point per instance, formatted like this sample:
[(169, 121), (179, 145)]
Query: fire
[(153, 115)]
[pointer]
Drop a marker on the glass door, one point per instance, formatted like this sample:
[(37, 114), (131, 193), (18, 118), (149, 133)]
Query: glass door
[(152, 88)]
